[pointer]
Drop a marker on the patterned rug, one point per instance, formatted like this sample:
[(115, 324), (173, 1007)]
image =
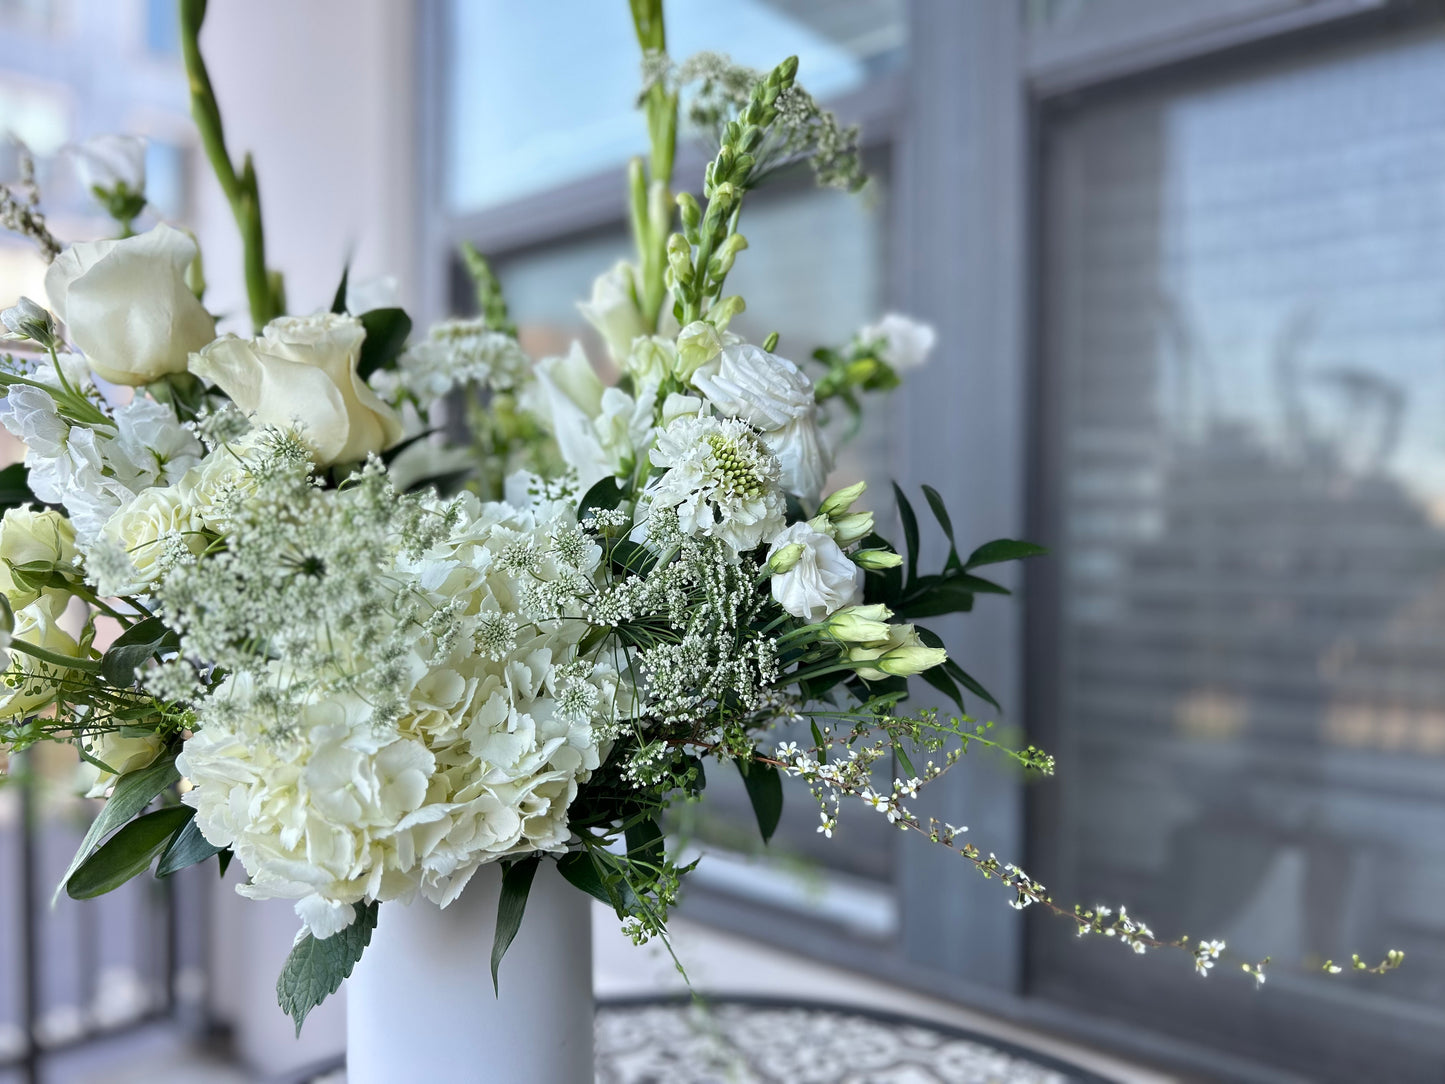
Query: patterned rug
[(765, 1042)]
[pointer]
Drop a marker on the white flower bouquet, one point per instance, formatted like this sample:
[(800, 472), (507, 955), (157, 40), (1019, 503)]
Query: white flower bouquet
[(233, 581)]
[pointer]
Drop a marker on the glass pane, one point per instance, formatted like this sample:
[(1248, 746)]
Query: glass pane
[(541, 94), (813, 273), (1247, 339)]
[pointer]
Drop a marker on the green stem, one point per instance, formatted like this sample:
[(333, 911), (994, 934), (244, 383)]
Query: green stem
[(241, 190), (650, 201), (68, 662)]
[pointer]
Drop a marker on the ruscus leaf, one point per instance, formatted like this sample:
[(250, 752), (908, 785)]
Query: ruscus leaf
[(765, 791), (511, 904), (1003, 549), (127, 853), (132, 793)]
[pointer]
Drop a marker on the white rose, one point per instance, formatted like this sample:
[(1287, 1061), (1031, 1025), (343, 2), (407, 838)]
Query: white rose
[(35, 541), (774, 396), (613, 310), (127, 304), (824, 579), (156, 530), (106, 161), (302, 371), (123, 752), (906, 342), (39, 625)]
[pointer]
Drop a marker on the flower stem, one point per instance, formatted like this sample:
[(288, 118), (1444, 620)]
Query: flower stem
[(263, 288)]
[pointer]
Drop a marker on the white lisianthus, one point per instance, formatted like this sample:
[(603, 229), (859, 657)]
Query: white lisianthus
[(38, 542), (613, 310), (302, 373), (124, 752), (823, 580), (157, 531), (720, 480), (774, 396), (127, 305), (906, 343), (105, 161)]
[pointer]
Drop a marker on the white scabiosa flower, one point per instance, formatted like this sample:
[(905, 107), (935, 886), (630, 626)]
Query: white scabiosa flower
[(823, 580), (905, 343), (719, 479), (775, 397)]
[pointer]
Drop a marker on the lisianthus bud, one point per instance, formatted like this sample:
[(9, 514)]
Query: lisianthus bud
[(901, 655), (848, 529), (877, 560), (860, 624), (27, 320), (841, 500), (785, 559)]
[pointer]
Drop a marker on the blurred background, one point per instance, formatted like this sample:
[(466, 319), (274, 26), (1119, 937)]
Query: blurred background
[(1186, 259)]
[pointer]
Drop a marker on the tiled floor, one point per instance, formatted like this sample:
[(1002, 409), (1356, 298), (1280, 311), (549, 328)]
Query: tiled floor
[(717, 963)]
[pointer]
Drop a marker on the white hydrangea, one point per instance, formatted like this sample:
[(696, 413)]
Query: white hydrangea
[(501, 722), (719, 479)]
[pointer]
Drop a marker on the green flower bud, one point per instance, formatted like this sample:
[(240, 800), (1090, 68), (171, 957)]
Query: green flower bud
[(877, 560), (902, 654), (848, 529), (689, 210), (722, 312), (679, 258), (786, 559), (839, 502), (860, 624)]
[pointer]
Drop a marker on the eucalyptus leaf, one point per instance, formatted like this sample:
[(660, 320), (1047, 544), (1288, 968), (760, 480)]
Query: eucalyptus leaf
[(316, 968), (511, 904), (187, 849), (132, 793), (127, 853)]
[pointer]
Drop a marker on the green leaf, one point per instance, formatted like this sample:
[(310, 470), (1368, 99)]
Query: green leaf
[(910, 530), (132, 793), (386, 332), (316, 968), (15, 487), (605, 493), (765, 791), (633, 557), (187, 849), (940, 513), (581, 872), (127, 853), (516, 883), (903, 760), (935, 601), (223, 860), (1003, 549), (338, 303), (131, 648)]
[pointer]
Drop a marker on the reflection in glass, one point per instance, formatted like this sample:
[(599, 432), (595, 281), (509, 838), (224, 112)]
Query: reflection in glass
[(1247, 330)]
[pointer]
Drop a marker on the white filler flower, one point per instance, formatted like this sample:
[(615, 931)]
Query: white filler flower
[(824, 580)]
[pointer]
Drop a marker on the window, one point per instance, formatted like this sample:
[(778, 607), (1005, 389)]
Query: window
[(1245, 360)]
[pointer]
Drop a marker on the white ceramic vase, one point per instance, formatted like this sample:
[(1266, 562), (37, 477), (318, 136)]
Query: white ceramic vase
[(420, 1004)]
